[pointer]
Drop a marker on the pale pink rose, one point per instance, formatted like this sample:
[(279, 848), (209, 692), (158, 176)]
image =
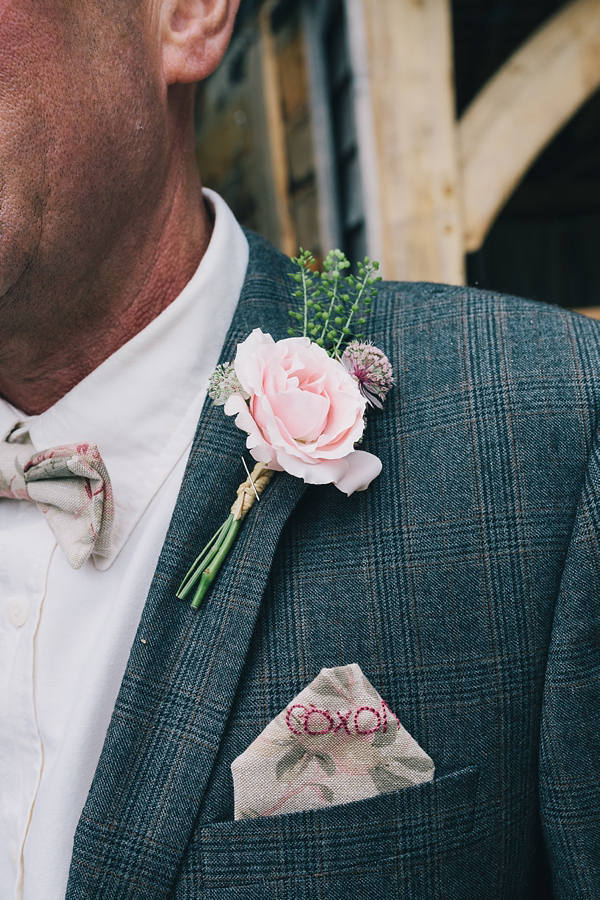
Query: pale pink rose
[(305, 412)]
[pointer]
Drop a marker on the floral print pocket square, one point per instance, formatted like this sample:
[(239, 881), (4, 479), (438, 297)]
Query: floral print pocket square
[(336, 742)]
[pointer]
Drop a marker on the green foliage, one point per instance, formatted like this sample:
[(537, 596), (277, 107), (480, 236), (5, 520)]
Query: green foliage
[(334, 303)]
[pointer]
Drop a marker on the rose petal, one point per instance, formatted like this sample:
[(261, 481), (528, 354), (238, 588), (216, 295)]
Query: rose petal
[(247, 359), (363, 468), (259, 454), (304, 414), (260, 448), (313, 473)]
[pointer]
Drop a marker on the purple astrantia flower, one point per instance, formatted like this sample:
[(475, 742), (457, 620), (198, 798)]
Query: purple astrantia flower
[(371, 368)]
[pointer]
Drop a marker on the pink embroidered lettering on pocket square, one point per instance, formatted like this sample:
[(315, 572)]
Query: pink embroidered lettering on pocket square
[(336, 742)]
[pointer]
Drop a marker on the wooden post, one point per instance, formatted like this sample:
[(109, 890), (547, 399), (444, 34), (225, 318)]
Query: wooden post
[(410, 63), (276, 131), (368, 161), (313, 17)]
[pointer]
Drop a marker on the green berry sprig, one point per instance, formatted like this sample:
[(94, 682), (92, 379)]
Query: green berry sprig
[(334, 303)]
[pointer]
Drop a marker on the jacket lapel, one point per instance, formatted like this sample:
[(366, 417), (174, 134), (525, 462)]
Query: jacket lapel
[(184, 666)]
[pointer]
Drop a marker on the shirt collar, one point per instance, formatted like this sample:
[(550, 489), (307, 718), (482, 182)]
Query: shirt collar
[(142, 404)]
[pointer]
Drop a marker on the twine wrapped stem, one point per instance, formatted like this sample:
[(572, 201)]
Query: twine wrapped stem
[(250, 489)]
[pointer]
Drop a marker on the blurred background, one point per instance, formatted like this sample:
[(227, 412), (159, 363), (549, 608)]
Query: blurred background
[(453, 140)]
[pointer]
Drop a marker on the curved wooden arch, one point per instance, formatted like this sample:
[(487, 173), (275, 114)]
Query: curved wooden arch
[(521, 108)]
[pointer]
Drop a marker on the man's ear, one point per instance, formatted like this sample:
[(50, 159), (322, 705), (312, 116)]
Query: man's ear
[(194, 36)]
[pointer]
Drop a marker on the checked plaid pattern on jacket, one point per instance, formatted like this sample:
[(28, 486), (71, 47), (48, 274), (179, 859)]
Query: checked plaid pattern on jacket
[(464, 583)]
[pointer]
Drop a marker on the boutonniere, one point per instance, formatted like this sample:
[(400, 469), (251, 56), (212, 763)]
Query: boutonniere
[(302, 400)]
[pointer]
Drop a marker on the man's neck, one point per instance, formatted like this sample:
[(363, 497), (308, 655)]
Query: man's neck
[(41, 360)]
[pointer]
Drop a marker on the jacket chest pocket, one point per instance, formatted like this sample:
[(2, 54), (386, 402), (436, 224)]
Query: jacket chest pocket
[(360, 850)]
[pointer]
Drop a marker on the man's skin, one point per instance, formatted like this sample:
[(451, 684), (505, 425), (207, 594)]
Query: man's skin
[(101, 217)]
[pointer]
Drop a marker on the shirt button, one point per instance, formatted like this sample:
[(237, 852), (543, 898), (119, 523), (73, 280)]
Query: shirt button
[(17, 611)]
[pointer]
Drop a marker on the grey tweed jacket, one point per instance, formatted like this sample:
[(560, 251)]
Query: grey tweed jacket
[(465, 583)]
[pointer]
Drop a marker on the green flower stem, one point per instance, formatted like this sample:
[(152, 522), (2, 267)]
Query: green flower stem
[(205, 567), (349, 319), (203, 558), (212, 570), (305, 291), (331, 305)]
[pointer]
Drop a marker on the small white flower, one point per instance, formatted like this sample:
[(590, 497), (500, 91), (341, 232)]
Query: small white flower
[(223, 384)]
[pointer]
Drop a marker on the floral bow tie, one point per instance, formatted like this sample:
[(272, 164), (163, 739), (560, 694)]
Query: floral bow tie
[(70, 485)]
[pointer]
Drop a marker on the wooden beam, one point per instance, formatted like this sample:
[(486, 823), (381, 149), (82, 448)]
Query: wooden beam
[(592, 311), (521, 108), (410, 66)]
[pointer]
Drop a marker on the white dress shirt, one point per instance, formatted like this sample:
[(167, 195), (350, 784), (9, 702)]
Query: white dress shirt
[(65, 635)]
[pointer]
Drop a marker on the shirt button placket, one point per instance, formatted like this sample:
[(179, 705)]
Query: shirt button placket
[(23, 575)]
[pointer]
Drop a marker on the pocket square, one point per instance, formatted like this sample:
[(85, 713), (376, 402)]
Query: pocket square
[(336, 742)]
